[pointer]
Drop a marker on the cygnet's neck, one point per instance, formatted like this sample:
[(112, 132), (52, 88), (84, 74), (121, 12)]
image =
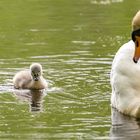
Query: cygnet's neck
[(39, 84)]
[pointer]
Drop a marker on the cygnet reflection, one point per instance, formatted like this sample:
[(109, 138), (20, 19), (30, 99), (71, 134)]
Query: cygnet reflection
[(34, 97), (124, 127)]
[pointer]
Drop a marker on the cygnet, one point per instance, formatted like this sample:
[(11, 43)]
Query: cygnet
[(30, 79)]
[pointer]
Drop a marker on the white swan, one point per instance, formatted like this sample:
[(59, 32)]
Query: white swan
[(30, 79), (125, 74)]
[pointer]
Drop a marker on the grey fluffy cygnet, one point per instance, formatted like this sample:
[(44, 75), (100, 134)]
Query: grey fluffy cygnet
[(30, 79)]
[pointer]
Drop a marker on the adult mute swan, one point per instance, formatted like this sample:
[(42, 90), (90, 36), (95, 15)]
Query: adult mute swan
[(30, 79), (125, 74)]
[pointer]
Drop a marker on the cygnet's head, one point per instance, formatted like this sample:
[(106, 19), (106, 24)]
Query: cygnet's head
[(136, 36), (36, 71)]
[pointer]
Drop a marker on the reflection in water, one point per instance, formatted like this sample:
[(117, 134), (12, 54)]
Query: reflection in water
[(124, 127), (34, 97)]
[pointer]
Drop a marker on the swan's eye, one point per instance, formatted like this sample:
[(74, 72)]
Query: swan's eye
[(137, 43)]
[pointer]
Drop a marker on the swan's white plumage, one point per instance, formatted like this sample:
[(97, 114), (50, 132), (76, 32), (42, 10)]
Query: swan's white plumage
[(125, 75), (125, 81)]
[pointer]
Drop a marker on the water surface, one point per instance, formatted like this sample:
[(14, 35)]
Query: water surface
[(75, 41)]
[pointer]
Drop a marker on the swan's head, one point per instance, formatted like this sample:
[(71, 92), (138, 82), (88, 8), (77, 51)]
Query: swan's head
[(36, 71), (136, 36)]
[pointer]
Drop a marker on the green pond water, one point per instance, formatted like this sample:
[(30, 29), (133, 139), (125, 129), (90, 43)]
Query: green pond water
[(75, 41)]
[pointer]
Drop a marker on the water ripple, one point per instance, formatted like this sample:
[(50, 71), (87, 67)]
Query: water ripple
[(76, 84), (105, 2)]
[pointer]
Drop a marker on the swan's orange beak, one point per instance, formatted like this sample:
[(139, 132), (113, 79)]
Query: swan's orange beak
[(137, 49)]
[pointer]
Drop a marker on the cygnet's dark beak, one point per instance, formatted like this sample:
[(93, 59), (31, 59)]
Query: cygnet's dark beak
[(36, 77)]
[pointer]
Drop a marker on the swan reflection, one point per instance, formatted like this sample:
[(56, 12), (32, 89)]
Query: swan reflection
[(34, 97), (124, 127)]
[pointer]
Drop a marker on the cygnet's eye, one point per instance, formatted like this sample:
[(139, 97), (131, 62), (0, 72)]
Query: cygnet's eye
[(39, 72), (36, 75)]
